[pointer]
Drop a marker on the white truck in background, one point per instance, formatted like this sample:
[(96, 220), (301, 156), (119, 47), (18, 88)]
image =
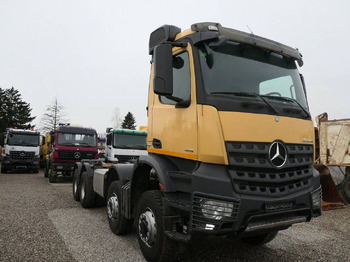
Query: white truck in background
[(21, 150), (124, 145)]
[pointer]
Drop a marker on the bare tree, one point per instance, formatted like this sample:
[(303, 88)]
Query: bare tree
[(116, 118), (54, 115)]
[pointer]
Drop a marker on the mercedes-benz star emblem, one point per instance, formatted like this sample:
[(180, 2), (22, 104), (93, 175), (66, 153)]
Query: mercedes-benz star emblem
[(77, 155), (277, 154)]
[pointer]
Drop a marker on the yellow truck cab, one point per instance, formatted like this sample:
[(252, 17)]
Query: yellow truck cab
[(230, 144)]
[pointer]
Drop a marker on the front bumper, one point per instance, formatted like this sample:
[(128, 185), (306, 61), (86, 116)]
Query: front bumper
[(11, 164), (64, 168), (207, 202)]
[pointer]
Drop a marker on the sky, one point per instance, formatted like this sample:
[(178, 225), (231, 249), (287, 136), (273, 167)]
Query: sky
[(92, 55)]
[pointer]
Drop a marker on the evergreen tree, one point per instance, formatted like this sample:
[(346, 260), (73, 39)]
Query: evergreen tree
[(2, 112), (14, 111), (53, 116), (129, 121)]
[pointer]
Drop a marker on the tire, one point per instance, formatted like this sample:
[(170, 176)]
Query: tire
[(46, 173), (35, 171), (76, 186), (52, 176), (100, 201), (154, 244), (260, 239), (3, 170), (345, 188), (118, 224), (87, 194)]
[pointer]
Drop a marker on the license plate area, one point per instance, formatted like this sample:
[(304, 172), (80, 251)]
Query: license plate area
[(278, 206)]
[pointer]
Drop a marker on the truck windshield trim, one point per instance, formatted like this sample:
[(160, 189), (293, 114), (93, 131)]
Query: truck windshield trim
[(235, 68)]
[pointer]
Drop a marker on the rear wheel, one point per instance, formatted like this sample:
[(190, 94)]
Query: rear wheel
[(118, 224), (87, 194), (260, 239), (345, 188), (154, 244), (76, 186)]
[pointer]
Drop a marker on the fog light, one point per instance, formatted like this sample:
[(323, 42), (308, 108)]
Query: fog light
[(209, 227), (316, 197), (215, 209)]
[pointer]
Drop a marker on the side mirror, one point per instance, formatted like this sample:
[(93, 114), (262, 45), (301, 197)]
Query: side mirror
[(163, 70)]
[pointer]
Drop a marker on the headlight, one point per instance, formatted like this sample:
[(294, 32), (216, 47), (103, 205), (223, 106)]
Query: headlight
[(215, 209), (316, 198)]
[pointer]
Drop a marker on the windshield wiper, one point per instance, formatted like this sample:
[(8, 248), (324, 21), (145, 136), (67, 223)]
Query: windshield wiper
[(283, 98), (85, 145), (66, 144), (250, 95)]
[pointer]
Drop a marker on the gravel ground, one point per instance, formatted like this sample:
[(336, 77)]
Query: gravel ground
[(40, 221)]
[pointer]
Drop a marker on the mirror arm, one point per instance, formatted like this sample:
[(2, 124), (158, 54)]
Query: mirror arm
[(177, 44)]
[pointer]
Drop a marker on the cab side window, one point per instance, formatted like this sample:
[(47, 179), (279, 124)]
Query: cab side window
[(181, 79)]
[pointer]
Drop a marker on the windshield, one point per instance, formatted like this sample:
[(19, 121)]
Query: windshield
[(233, 69), (23, 139), (129, 141), (81, 140)]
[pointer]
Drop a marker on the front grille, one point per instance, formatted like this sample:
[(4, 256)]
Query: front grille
[(75, 155), (253, 174), (22, 155), (200, 221), (124, 159)]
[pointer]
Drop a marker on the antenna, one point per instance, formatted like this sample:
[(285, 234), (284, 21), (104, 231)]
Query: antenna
[(250, 30)]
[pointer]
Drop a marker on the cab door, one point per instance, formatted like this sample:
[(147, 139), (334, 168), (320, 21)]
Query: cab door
[(174, 125)]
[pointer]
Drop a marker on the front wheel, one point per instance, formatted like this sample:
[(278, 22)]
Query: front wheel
[(52, 176), (154, 244), (46, 173), (76, 186), (87, 193), (260, 239), (345, 188), (118, 224), (3, 170)]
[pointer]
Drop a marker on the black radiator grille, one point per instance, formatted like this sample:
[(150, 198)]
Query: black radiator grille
[(22, 155), (253, 174), (76, 155), (124, 159)]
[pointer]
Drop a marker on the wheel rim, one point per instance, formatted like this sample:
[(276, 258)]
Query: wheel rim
[(113, 207), (147, 227), (82, 192)]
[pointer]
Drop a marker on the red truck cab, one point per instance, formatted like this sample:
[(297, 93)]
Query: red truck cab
[(70, 145)]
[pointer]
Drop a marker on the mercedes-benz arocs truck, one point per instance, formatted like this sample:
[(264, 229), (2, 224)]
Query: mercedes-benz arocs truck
[(230, 144), (21, 150), (124, 145)]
